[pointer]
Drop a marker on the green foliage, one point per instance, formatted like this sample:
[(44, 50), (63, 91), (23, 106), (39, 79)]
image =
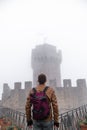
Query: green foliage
[(83, 121), (12, 128)]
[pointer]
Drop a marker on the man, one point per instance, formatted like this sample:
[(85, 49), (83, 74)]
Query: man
[(52, 118)]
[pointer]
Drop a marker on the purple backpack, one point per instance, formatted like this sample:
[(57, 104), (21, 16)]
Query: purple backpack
[(41, 106)]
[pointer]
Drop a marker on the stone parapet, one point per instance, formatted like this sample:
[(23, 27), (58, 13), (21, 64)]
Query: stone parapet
[(68, 96)]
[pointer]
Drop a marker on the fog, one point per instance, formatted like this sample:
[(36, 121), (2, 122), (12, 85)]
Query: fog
[(27, 23)]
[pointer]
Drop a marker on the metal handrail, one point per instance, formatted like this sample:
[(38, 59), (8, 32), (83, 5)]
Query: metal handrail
[(68, 120)]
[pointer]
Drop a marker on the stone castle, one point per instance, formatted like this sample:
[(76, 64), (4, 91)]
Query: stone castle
[(46, 59)]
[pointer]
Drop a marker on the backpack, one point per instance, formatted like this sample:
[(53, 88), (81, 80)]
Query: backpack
[(41, 106)]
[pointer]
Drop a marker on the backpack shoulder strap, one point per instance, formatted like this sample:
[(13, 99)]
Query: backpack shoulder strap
[(45, 89), (34, 90)]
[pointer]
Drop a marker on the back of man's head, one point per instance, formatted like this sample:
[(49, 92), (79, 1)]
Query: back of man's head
[(42, 78)]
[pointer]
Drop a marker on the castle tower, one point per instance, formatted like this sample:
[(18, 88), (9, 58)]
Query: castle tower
[(46, 59)]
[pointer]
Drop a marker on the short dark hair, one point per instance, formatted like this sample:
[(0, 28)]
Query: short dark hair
[(42, 78)]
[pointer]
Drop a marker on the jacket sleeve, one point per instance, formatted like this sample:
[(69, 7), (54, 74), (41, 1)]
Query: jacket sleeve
[(55, 107), (28, 108)]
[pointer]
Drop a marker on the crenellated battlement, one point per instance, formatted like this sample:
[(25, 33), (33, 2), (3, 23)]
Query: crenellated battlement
[(68, 96), (15, 98), (79, 83)]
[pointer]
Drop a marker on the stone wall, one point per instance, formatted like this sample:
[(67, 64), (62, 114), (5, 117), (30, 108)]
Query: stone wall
[(17, 97), (69, 97)]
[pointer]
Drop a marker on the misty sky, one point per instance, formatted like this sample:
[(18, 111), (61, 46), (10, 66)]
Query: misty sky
[(27, 23)]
